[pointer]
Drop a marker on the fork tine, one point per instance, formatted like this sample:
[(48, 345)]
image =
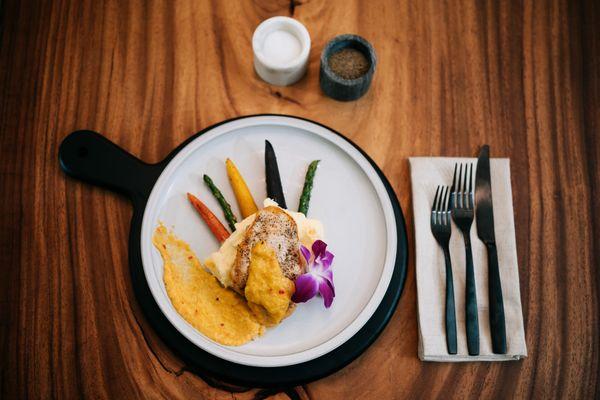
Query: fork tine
[(438, 207), (470, 194), (453, 188), (466, 187), (460, 188), (445, 217), (433, 207), (470, 178)]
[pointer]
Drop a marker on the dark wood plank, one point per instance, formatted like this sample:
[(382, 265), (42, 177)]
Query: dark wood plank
[(523, 77)]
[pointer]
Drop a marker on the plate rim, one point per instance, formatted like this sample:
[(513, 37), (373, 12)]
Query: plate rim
[(229, 353)]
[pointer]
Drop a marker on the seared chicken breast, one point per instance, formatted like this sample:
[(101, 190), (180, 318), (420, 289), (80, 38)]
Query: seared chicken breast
[(278, 230)]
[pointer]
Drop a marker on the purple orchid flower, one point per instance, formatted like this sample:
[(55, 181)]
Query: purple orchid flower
[(318, 276)]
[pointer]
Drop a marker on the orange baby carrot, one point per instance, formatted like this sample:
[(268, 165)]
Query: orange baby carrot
[(215, 226)]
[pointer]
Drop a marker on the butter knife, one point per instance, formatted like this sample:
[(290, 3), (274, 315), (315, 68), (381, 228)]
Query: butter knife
[(484, 212)]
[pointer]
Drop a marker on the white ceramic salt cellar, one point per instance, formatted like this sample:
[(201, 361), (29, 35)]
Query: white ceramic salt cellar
[(281, 47)]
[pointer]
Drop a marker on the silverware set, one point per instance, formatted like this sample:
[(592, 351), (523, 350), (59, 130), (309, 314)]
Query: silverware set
[(461, 204)]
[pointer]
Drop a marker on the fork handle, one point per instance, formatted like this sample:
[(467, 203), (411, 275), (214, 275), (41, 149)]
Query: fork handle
[(450, 307), (497, 321), (471, 302)]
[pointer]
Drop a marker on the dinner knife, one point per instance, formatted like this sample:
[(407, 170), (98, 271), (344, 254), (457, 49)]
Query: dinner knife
[(484, 212)]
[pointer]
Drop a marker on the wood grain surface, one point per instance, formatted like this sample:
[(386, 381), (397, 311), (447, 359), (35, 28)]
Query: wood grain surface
[(523, 77)]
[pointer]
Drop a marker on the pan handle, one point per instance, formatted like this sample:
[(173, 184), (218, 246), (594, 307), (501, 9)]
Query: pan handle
[(90, 157)]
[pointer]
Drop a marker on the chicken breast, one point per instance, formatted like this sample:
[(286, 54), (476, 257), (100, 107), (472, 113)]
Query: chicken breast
[(278, 230)]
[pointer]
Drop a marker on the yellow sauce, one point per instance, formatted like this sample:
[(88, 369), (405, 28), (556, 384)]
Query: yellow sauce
[(267, 290), (218, 313)]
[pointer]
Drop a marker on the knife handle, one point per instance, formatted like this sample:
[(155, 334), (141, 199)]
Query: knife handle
[(450, 307), (497, 320), (472, 319)]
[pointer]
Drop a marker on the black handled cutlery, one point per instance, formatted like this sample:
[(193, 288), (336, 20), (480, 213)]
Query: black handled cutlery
[(441, 228), (485, 231), (462, 214)]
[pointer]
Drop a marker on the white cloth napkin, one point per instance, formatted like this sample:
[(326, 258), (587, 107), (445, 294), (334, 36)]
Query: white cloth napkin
[(426, 174)]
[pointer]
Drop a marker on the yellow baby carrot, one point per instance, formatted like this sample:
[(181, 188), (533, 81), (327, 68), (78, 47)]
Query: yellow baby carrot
[(240, 189)]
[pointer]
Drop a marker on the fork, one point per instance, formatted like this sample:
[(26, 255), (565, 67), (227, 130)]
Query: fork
[(461, 196), (442, 229)]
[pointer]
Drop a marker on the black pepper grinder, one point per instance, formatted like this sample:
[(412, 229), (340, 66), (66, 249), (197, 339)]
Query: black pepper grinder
[(347, 67)]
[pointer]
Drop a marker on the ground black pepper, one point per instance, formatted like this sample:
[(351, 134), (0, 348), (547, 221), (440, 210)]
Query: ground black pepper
[(349, 63)]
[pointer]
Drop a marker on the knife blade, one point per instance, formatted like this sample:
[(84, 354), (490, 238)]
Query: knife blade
[(484, 216)]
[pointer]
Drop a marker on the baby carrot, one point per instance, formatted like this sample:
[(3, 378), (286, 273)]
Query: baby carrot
[(240, 189), (215, 226)]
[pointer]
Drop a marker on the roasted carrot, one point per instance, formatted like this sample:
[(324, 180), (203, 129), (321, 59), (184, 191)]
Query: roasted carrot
[(240, 189), (215, 226)]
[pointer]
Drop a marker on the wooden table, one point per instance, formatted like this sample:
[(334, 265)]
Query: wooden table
[(524, 78)]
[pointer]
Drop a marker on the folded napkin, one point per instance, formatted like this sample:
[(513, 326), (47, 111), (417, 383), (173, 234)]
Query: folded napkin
[(426, 174)]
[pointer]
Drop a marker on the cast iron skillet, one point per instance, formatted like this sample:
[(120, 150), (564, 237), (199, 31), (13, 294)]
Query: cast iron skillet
[(90, 157)]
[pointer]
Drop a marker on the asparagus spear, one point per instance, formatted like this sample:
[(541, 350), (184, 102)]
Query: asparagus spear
[(308, 185), (231, 220)]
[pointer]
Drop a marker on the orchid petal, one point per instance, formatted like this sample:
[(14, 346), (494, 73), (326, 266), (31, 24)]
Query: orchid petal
[(327, 292), (322, 271), (326, 259), (307, 286), (306, 253), (318, 277), (328, 276), (318, 248)]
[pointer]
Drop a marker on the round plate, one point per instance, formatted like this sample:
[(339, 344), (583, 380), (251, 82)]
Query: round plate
[(349, 198)]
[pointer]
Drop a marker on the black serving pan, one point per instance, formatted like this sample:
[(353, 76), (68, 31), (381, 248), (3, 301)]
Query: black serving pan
[(90, 157)]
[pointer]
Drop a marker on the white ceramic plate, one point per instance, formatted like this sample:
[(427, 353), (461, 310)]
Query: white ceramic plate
[(348, 197)]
